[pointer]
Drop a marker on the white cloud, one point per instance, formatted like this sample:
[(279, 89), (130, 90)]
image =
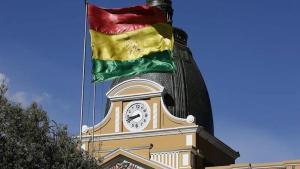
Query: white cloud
[(22, 97), (3, 78), (26, 99), (41, 98)]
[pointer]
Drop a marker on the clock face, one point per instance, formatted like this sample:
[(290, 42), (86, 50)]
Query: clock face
[(136, 116)]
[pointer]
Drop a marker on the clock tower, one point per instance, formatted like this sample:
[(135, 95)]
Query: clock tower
[(140, 132), (159, 120)]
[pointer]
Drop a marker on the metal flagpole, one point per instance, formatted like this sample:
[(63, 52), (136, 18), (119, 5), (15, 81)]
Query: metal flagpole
[(94, 112), (83, 68)]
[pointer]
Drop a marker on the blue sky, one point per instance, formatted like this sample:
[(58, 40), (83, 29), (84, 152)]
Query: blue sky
[(248, 52)]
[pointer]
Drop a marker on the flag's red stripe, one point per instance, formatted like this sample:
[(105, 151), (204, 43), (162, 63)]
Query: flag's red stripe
[(116, 21)]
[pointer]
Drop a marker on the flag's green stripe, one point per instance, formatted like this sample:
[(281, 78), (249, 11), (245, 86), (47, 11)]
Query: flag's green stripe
[(154, 62)]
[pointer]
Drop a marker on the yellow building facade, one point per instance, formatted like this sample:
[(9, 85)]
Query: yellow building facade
[(139, 132), (293, 164)]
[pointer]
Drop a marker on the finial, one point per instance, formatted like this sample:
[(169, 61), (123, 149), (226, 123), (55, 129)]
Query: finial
[(164, 5)]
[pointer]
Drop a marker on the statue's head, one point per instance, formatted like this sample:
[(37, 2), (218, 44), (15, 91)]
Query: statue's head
[(165, 5)]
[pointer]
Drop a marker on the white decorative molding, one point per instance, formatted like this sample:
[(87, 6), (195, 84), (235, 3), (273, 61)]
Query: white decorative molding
[(169, 114), (146, 133), (177, 159), (84, 128), (274, 165), (83, 147), (117, 120), (125, 164), (135, 87), (185, 159), (190, 119), (189, 140), (154, 88), (104, 121), (154, 110), (136, 157), (144, 147), (169, 159), (135, 96)]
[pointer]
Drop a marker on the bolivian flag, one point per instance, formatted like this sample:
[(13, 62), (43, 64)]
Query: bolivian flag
[(129, 41)]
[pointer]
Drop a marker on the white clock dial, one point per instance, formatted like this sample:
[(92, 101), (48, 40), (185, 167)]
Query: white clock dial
[(136, 116)]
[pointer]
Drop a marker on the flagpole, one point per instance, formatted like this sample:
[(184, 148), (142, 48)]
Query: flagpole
[(94, 112), (83, 68)]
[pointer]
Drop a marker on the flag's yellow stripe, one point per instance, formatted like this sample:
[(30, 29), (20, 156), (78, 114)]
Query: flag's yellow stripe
[(132, 45)]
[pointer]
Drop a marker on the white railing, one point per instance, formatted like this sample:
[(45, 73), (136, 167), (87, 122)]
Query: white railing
[(170, 159)]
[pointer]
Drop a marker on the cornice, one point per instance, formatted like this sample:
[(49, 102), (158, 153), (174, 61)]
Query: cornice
[(135, 96), (147, 133), (156, 90), (127, 149), (218, 143)]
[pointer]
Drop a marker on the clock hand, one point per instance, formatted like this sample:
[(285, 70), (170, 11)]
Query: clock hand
[(133, 117)]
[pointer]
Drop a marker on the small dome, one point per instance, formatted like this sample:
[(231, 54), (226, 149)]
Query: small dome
[(159, 2), (164, 5)]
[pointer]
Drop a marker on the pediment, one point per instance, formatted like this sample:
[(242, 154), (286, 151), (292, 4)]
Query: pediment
[(135, 88), (122, 159)]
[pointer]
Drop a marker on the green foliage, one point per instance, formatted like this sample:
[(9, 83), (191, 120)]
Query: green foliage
[(28, 140)]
